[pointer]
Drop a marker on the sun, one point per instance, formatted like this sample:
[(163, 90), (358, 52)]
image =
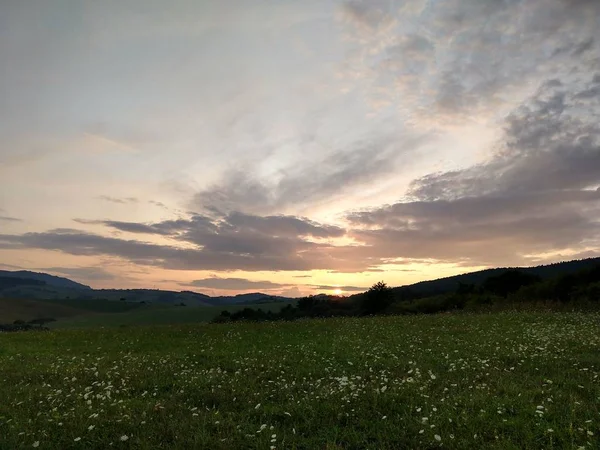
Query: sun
[(337, 291)]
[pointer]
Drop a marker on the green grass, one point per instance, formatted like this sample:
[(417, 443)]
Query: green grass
[(157, 315), (22, 309), (97, 306), (19, 309), (497, 381)]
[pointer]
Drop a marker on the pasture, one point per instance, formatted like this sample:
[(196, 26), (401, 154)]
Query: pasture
[(156, 315), (494, 381)]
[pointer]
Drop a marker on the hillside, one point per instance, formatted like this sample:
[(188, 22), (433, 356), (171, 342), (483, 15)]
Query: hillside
[(11, 310), (28, 295), (46, 279), (450, 284), (41, 286)]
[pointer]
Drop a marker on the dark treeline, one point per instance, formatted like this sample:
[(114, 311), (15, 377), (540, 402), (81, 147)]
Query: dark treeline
[(506, 289), (21, 325)]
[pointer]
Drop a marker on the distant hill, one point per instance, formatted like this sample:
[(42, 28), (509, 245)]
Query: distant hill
[(41, 286), (450, 284), (49, 280)]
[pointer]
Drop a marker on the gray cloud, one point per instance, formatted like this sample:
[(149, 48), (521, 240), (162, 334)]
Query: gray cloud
[(237, 241), (467, 56), (312, 181), (9, 219), (82, 273), (121, 201), (538, 194), (236, 284), (221, 254), (343, 288)]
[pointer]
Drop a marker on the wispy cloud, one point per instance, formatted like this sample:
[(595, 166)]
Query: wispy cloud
[(236, 284), (120, 201), (9, 219), (82, 273), (312, 181)]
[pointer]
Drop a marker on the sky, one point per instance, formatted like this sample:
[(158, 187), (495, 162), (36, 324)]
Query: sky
[(295, 147)]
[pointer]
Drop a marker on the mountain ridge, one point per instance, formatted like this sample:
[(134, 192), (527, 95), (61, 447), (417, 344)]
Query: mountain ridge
[(54, 287)]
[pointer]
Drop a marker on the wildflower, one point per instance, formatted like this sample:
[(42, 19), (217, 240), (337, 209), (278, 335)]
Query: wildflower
[(124, 438), (257, 406), (590, 433), (77, 439), (91, 427), (437, 437), (36, 444)]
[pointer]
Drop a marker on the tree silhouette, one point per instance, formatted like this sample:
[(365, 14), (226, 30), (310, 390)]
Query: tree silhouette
[(377, 298)]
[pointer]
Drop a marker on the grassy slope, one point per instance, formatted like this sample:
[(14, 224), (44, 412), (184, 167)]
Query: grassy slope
[(17, 309), (21, 309), (158, 315), (503, 381)]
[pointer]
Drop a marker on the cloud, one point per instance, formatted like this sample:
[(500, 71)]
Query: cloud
[(234, 242), (537, 194), (121, 201), (9, 219), (236, 284), (82, 273), (368, 16), (342, 288), (460, 60), (309, 182), (11, 267), (129, 227)]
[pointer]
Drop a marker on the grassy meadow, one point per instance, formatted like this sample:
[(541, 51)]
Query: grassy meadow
[(156, 315), (493, 381)]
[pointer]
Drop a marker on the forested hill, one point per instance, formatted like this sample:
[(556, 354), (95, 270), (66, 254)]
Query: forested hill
[(35, 278), (451, 284)]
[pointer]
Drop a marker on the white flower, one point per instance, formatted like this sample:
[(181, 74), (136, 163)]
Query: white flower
[(421, 431), (257, 406), (91, 427), (438, 437), (36, 444), (590, 433), (124, 438), (550, 430), (77, 439)]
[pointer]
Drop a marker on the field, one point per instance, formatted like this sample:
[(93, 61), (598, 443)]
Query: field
[(156, 315), (21, 309), (496, 381), (74, 313)]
